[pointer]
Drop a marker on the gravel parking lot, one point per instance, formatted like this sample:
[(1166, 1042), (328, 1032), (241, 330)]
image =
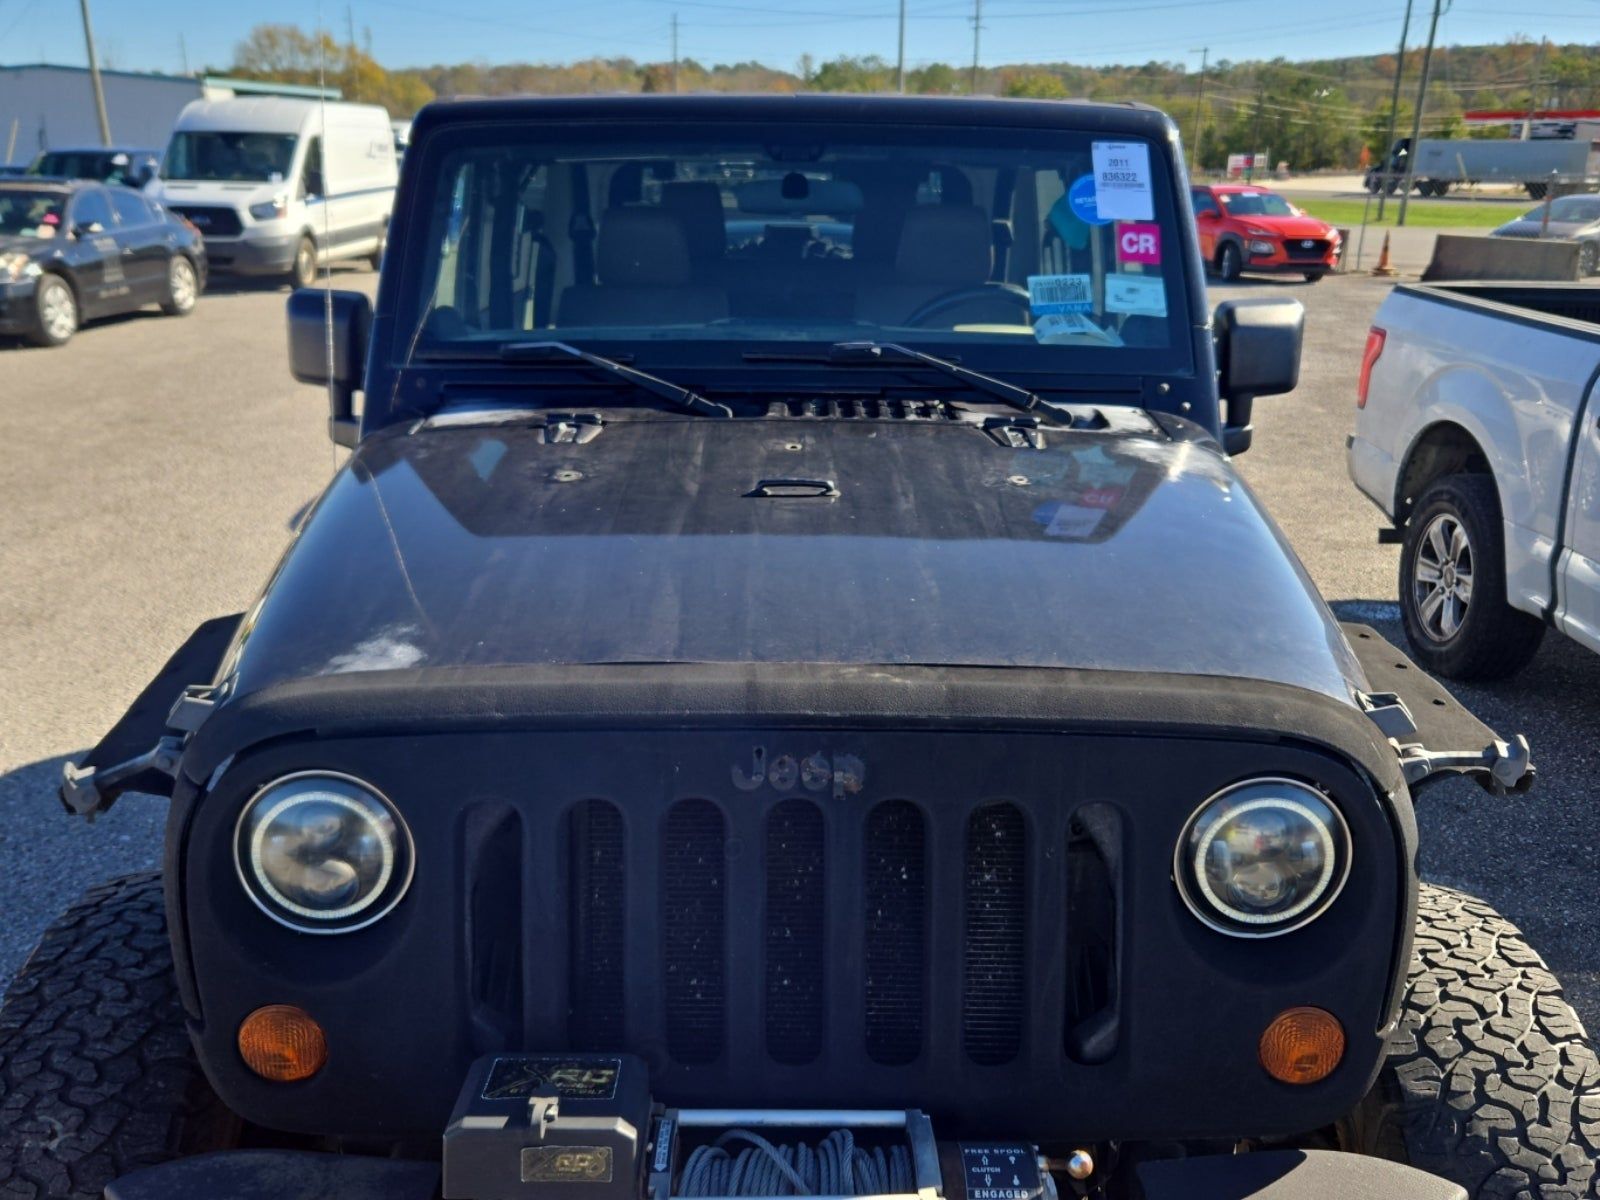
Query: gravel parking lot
[(152, 467)]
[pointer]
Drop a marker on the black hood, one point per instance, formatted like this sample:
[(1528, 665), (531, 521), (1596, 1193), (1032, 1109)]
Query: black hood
[(1116, 548)]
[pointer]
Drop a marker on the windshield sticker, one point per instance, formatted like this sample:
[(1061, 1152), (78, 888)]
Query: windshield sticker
[(1139, 242), (1136, 295), (1122, 181), (1084, 203), (1069, 520), (1049, 294), (1074, 329)]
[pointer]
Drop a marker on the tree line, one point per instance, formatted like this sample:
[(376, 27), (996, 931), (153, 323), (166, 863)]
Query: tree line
[(1312, 114)]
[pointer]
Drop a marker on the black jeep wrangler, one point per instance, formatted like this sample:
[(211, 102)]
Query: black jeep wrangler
[(788, 696)]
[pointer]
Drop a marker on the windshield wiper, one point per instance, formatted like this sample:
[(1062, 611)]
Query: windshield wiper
[(890, 353), (555, 352)]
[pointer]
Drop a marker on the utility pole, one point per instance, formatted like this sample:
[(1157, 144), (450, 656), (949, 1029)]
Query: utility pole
[(977, 31), (1255, 133), (1416, 117), (900, 62), (183, 52), (1394, 113), (1199, 111), (94, 76), (1533, 92), (674, 52), (350, 53)]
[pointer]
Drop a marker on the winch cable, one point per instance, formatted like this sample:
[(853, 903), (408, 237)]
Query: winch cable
[(834, 1167)]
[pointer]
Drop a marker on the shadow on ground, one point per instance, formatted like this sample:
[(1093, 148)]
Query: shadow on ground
[(48, 858)]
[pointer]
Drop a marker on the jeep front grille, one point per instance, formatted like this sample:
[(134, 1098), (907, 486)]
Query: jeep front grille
[(760, 960)]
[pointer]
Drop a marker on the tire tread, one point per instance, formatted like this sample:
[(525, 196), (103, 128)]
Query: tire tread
[(97, 1075)]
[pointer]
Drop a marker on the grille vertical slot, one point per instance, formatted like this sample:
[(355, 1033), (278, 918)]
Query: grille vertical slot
[(694, 882), (993, 974), (895, 863), (1094, 870), (598, 903), (794, 935)]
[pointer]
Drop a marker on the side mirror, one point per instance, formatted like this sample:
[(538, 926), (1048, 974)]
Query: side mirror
[(1258, 354), (88, 229), (310, 310)]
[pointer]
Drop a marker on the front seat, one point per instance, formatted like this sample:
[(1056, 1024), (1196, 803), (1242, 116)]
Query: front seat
[(943, 248), (642, 258)]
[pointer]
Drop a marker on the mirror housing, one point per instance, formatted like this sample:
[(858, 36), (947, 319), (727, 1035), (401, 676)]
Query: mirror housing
[(309, 362), (1258, 354)]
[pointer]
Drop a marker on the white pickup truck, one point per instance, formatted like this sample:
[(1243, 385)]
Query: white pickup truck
[(1478, 435)]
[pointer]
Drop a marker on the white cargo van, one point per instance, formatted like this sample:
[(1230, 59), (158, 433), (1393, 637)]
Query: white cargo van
[(278, 185)]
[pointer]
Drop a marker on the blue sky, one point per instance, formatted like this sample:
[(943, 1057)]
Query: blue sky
[(143, 35)]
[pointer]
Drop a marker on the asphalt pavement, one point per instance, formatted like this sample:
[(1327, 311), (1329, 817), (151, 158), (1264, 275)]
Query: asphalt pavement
[(150, 471)]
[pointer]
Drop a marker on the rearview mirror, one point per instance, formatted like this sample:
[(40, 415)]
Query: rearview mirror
[(341, 366), (1258, 354)]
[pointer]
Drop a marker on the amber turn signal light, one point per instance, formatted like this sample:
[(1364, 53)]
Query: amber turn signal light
[(282, 1043), (1302, 1045)]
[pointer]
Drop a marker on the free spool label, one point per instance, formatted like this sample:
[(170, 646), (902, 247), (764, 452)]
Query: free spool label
[(1001, 1171)]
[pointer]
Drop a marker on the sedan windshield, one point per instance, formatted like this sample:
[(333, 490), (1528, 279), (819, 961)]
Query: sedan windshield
[(1255, 204), (1568, 209), (1004, 246), (25, 212), (246, 157)]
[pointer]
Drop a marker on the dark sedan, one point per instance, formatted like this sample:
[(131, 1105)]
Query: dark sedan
[(72, 250), (1573, 217)]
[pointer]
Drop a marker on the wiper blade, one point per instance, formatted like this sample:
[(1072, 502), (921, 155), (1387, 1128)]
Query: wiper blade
[(889, 353), (549, 352)]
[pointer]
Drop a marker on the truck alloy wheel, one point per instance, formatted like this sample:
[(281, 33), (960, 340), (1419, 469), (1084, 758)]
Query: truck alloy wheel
[(1453, 584)]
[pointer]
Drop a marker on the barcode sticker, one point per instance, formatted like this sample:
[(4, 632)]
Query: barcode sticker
[(1072, 329), (1060, 294)]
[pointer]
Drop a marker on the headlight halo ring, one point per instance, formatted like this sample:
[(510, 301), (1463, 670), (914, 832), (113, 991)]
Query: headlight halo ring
[(391, 889), (1209, 911)]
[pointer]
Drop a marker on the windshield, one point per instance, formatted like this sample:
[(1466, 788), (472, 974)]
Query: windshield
[(1009, 247), (246, 157), (1568, 208), (1255, 204), (25, 213)]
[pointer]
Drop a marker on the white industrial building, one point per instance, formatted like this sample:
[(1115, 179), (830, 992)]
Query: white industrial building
[(46, 107)]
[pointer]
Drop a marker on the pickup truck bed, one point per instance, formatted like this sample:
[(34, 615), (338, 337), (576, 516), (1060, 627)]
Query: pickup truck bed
[(1476, 436)]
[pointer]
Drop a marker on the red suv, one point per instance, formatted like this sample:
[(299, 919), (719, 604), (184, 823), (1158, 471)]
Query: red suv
[(1244, 228)]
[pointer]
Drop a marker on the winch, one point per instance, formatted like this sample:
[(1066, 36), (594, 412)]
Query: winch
[(584, 1127)]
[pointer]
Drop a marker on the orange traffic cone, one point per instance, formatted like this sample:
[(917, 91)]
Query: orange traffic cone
[(1384, 267)]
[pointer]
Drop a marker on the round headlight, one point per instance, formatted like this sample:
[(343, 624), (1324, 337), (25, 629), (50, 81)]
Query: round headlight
[(1262, 857), (322, 853)]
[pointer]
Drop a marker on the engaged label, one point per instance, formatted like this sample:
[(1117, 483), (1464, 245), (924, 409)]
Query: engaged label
[(1000, 1172)]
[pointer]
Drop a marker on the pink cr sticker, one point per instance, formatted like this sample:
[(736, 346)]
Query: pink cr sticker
[(1139, 242)]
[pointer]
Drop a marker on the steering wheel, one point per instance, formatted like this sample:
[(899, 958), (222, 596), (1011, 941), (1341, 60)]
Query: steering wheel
[(1009, 292)]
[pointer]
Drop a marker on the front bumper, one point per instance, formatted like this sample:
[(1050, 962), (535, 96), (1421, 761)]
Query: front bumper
[(302, 1175), (252, 255), (16, 306)]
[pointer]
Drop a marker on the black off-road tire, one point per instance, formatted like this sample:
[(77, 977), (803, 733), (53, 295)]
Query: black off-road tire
[(1493, 640), (1230, 262), (1491, 1079), (97, 1076)]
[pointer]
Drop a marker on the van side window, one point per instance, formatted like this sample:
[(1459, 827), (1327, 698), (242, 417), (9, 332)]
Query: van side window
[(311, 181)]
